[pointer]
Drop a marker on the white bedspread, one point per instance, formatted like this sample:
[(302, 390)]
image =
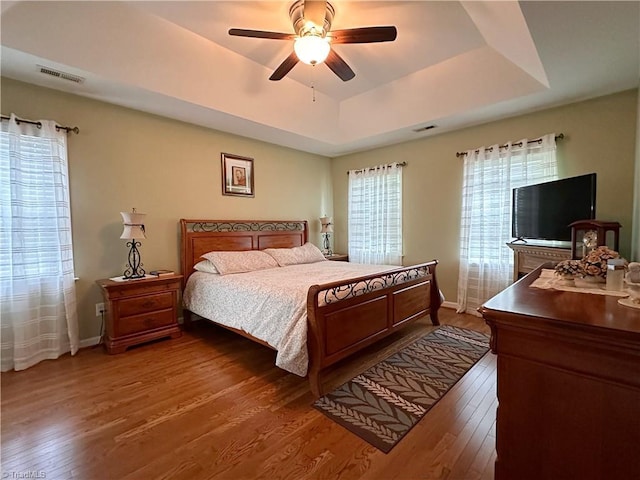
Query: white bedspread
[(269, 304)]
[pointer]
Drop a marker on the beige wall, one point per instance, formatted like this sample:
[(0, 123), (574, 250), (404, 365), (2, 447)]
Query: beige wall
[(599, 137), (167, 169)]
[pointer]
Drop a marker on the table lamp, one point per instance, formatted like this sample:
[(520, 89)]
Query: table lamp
[(326, 230), (133, 230)]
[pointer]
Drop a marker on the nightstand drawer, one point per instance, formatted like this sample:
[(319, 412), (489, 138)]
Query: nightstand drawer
[(141, 323), (144, 304)]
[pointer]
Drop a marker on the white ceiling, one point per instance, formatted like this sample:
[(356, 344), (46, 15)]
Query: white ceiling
[(454, 64)]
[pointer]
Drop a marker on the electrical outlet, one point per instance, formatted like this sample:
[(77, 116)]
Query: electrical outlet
[(99, 309)]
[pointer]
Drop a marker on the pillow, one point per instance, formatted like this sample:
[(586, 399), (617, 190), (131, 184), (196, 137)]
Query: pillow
[(307, 253), (206, 266), (238, 262)]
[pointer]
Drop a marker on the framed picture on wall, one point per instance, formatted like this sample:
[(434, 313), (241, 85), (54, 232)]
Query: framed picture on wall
[(237, 175)]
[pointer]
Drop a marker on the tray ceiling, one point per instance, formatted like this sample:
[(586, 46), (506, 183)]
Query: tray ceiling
[(454, 64)]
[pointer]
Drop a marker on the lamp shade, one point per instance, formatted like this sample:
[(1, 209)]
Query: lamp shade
[(131, 232), (311, 49), (133, 225), (327, 224)]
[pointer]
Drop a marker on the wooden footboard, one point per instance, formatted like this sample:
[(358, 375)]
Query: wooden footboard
[(345, 317)]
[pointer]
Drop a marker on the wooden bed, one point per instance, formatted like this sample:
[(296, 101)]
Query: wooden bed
[(343, 317)]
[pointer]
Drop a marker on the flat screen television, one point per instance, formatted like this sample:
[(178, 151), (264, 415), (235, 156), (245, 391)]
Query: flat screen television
[(545, 210)]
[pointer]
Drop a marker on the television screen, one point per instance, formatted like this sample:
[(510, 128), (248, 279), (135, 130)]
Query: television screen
[(544, 211)]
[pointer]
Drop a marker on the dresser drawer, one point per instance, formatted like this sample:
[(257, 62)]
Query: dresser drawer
[(144, 322), (145, 303)]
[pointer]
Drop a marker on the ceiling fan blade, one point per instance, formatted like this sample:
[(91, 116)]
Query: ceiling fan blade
[(339, 66), (315, 12), (364, 35), (239, 32), (285, 67)]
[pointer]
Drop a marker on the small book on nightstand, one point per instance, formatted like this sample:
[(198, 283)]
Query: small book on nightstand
[(161, 273)]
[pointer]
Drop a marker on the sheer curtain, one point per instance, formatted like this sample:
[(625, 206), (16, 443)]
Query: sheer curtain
[(486, 263), (38, 317), (375, 215)]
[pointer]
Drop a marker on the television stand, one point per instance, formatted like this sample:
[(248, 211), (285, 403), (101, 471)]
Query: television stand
[(527, 257)]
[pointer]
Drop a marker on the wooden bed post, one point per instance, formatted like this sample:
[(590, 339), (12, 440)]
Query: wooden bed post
[(315, 384), (314, 344), (436, 296), (187, 323)]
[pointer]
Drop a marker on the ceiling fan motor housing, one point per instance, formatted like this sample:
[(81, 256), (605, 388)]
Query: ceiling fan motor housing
[(296, 13)]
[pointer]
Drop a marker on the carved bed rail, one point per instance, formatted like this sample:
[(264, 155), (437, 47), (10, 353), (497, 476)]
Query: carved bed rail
[(336, 291)]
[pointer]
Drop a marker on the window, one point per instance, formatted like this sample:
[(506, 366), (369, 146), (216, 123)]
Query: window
[(375, 215), (486, 263)]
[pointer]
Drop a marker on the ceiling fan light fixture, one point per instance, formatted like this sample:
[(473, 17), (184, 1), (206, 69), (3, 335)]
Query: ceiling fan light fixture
[(311, 49)]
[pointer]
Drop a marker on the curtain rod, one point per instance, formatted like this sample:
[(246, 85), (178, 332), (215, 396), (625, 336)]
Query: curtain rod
[(401, 164), (39, 124), (519, 144)]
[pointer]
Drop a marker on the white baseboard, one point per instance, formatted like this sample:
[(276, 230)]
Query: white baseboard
[(453, 305), (89, 342)]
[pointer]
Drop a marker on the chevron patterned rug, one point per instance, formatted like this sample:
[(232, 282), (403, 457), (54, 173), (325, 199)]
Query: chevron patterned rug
[(382, 404)]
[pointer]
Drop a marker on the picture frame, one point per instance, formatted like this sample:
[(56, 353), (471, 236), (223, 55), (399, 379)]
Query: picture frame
[(237, 175)]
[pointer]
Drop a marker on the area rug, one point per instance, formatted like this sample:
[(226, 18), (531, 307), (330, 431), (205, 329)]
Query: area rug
[(382, 404)]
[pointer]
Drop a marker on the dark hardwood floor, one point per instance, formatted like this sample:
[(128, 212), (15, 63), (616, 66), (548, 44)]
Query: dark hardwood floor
[(212, 404)]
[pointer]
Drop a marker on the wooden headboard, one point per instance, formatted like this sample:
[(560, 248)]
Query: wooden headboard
[(201, 236)]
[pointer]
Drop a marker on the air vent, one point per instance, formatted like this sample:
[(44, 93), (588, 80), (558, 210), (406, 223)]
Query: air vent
[(424, 129), (57, 73)]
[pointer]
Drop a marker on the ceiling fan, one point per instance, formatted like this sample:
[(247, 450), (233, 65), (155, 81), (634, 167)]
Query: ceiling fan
[(313, 38)]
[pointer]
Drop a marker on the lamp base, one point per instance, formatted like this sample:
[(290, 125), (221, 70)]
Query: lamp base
[(326, 247), (134, 268), (133, 277)]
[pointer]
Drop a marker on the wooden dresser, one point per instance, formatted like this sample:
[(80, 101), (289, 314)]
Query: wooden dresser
[(568, 384), (140, 310)]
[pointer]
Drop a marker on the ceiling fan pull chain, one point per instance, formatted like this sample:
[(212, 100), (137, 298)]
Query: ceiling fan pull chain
[(313, 84)]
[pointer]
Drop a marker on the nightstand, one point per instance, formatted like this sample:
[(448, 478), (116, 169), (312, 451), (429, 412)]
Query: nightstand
[(138, 311), (338, 257)]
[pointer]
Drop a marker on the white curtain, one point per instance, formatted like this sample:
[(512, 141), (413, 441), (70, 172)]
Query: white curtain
[(375, 215), (490, 174), (38, 317)]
